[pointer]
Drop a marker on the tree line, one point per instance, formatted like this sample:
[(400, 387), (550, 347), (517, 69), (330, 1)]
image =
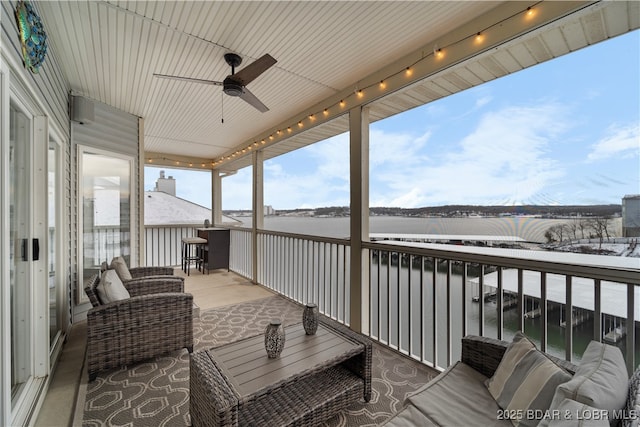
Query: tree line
[(580, 228)]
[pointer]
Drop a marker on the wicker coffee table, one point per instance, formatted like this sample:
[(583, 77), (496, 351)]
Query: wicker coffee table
[(315, 377)]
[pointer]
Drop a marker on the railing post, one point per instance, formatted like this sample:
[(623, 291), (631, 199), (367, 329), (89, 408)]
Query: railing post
[(568, 329), (631, 328), (359, 230)]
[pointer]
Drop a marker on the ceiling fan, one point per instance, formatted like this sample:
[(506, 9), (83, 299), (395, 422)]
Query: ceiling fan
[(235, 83)]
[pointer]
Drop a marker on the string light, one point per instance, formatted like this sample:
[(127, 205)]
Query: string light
[(478, 38)]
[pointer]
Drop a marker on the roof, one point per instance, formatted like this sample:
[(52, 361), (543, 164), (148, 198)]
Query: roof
[(162, 209), (326, 52), (445, 237), (582, 290)]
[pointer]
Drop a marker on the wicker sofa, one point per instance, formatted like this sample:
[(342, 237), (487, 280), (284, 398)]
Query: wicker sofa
[(156, 319), (459, 396)]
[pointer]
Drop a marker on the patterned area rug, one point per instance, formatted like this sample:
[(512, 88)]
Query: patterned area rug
[(156, 392)]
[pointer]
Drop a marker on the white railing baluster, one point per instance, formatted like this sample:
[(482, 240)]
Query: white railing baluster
[(315, 269)]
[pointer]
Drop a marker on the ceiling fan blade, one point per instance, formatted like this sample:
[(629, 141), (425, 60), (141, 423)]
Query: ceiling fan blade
[(188, 79), (253, 70), (251, 99)]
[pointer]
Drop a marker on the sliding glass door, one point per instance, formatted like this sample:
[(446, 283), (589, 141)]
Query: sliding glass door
[(33, 304), (105, 210), (21, 249), (57, 298)]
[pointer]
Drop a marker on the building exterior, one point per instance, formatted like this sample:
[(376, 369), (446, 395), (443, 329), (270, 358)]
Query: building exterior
[(631, 216), (166, 184)]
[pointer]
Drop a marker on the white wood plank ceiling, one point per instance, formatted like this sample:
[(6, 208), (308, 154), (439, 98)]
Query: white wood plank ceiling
[(110, 50)]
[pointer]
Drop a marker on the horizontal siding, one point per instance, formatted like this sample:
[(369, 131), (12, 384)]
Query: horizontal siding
[(50, 83), (111, 130)]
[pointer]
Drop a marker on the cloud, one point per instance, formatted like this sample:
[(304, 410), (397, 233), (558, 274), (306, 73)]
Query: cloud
[(620, 142), (236, 190), (503, 160), (481, 102), (314, 176)]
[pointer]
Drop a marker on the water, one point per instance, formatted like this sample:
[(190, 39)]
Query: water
[(408, 303), (527, 228)]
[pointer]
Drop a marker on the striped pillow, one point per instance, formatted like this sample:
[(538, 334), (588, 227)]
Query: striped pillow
[(525, 382)]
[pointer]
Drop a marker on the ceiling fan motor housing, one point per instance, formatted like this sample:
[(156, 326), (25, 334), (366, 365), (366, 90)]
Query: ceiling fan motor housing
[(231, 87)]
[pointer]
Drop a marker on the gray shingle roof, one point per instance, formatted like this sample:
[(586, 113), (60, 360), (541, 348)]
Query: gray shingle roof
[(162, 208)]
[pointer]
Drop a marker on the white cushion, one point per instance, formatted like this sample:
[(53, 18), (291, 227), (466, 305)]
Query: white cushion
[(111, 288), (600, 381), (525, 382), (120, 266)]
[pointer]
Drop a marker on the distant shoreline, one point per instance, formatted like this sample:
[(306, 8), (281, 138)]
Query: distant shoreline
[(457, 211)]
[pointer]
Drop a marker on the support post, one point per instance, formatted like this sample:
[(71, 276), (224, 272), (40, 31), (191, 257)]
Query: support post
[(216, 197), (359, 224), (142, 233), (258, 210)]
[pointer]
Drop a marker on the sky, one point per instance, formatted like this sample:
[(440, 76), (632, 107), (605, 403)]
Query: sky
[(565, 132)]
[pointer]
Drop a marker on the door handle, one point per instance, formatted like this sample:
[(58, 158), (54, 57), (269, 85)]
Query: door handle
[(24, 249), (36, 249)]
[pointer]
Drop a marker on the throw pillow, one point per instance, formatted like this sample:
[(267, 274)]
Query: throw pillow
[(600, 381), (111, 288), (525, 381), (120, 266)]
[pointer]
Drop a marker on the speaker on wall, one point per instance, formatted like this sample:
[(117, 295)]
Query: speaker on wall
[(81, 110)]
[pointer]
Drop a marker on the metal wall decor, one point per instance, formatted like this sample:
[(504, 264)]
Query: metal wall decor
[(32, 36)]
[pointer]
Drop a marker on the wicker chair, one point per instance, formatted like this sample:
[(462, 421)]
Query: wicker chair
[(157, 319), (143, 273)]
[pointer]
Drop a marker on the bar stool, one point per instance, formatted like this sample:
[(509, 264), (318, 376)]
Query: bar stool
[(190, 252)]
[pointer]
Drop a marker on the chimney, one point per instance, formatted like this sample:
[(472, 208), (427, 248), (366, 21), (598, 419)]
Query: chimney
[(166, 185)]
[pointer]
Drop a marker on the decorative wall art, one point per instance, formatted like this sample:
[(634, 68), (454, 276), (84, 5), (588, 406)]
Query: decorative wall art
[(32, 36)]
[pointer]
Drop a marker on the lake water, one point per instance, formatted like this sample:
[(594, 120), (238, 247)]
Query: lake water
[(527, 228)]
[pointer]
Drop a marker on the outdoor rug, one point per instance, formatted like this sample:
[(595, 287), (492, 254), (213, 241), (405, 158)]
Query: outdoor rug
[(156, 392)]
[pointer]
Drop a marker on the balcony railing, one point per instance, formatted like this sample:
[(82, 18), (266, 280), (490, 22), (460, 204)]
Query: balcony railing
[(422, 298), (163, 243), (307, 269)]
